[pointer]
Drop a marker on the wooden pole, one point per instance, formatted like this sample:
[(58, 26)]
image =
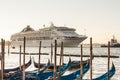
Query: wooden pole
[(39, 56), (20, 59), (24, 58), (55, 59), (90, 58), (3, 55), (108, 59), (51, 52), (81, 64), (1, 72), (1, 60), (61, 55), (8, 47)]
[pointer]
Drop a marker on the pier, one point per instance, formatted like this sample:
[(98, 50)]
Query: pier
[(104, 56), (72, 55), (30, 53)]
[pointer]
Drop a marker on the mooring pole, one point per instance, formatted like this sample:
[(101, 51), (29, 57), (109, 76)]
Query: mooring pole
[(61, 55), (20, 58), (90, 58), (1, 76), (81, 64), (108, 59), (8, 47), (51, 52), (24, 58), (55, 59), (3, 55), (39, 56)]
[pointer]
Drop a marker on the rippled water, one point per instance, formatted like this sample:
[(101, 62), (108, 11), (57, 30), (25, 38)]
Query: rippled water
[(99, 63)]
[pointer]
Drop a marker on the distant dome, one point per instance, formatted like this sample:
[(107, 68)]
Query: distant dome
[(28, 28)]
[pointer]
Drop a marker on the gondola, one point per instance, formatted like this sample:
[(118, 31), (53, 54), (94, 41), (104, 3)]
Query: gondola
[(44, 67), (9, 72), (104, 76), (18, 68), (35, 75), (74, 75), (75, 64), (36, 64), (51, 66)]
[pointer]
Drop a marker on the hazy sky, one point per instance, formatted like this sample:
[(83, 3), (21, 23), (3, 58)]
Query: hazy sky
[(99, 19)]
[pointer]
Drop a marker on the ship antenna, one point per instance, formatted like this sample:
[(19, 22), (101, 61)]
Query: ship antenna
[(84, 31)]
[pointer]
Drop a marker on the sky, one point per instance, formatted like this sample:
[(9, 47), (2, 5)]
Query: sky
[(99, 19)]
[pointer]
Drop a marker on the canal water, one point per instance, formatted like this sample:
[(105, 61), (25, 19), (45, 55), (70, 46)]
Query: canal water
[(99, 63)]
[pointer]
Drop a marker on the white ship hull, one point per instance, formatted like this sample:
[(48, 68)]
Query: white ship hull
[(47, 43)]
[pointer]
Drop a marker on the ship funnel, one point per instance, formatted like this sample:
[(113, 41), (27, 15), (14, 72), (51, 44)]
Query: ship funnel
[(51, 24)]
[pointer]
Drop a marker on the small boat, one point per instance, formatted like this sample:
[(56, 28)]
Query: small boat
[(35, 75), (104, 76), (114, 43), (9, 72)]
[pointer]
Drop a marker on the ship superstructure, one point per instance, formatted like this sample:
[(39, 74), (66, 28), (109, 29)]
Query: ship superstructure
[(47, 35)]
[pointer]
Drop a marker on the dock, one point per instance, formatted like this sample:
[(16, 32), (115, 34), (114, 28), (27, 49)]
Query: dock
[(104, 56), (30, 53), (72, 55)]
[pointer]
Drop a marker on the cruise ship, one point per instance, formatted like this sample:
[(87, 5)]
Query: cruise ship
[(47, 35)]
